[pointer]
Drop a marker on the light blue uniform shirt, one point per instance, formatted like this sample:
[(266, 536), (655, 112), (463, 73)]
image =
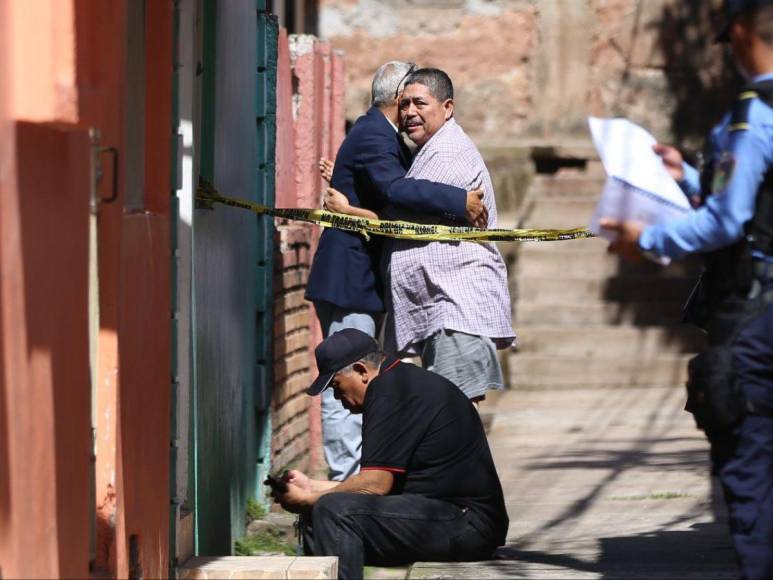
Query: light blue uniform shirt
[(720, 221)]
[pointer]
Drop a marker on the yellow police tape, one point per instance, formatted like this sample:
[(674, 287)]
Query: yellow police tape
[(207, 194)]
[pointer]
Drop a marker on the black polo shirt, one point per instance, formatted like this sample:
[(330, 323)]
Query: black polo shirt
[(423, 429)]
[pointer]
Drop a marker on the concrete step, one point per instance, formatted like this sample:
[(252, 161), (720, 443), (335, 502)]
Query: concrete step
[(561, 213), (259, 567), (578, 185), (567, 264), (586, 318), (629, 313), (608, 341), (386, 572), (581, 291), (532, 371)]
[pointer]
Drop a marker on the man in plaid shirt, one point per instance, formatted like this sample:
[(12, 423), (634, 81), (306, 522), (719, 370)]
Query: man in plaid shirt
[(448, 302)]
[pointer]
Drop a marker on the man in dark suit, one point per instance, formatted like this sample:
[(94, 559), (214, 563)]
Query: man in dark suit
[(343, 283)]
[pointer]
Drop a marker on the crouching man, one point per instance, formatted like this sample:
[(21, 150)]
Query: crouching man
[(427, 489)]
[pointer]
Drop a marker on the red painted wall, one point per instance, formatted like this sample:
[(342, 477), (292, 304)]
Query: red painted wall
[(286, 186)]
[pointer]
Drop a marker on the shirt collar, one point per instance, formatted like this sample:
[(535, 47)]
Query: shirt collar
[(391, 123), (387, 118), (763, 77), (388, 363)]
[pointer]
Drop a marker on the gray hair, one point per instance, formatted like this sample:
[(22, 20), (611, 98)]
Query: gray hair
[(372, 360), (389, 81)]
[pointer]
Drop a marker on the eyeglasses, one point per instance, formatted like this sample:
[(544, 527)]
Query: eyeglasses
[(411, 68)]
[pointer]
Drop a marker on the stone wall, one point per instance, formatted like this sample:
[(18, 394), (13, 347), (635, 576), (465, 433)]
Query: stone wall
[(535, 69)]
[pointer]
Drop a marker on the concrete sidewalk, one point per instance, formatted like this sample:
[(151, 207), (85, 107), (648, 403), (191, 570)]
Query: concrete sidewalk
[(602, 483)]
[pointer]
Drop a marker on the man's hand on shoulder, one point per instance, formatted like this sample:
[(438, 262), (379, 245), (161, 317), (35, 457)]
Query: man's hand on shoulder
[(627, 241), (476, 211)]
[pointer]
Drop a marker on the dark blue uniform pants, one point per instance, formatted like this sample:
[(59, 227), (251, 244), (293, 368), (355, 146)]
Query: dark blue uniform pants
[(747, 475)]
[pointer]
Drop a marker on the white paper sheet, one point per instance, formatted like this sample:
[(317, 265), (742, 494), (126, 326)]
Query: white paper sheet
[(638, 186)]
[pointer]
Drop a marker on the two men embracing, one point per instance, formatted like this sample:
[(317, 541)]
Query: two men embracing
[(428, 487)]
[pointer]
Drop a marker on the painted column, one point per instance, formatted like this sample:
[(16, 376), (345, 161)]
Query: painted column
[(45, 185)]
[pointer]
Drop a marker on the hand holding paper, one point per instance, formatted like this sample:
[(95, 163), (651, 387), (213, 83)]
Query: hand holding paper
[(639, 188), (626, 238)]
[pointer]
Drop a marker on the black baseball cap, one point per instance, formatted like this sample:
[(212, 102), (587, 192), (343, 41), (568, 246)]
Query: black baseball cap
[(733, 9), (337, 351)]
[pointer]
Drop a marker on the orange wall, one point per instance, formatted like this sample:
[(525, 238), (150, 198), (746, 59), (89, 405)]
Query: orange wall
[(44, 382), (100, 72), (144, 324), (133, 425), (64, 61), (144, 403), (39, 37)]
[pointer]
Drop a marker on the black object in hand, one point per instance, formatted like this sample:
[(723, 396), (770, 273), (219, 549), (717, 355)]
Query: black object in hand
[(276, 483)]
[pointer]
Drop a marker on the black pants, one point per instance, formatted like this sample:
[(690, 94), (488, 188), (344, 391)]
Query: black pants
[(391, 531)]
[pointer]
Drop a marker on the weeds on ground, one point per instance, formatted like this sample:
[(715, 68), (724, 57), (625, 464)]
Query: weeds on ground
[(271, 541), (255, 510), (263, 543)]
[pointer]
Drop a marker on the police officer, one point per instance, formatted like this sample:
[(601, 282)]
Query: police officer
[(730, 390)]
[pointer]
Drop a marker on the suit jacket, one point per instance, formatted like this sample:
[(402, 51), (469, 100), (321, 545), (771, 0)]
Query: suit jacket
[(370, 170)]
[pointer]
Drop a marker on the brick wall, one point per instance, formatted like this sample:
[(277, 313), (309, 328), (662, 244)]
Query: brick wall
[(292, 323), (310, 124)]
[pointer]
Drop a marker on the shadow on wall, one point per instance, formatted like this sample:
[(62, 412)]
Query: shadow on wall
[(700, 74), (702, 80), (649, 296)]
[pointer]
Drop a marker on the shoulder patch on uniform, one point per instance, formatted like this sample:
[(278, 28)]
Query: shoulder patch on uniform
[(739, 120), (723, 172)]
